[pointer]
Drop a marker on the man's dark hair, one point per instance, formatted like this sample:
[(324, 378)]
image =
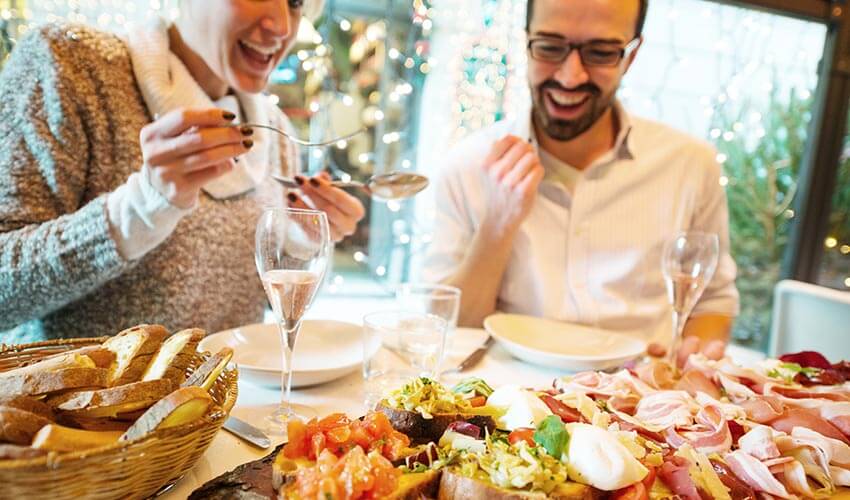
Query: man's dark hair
[(641, 19)]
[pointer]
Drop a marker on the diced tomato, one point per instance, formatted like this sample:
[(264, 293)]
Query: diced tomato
[(338, 435), (522, 434), (636, 491), (478, 401), (567, 414), (395, 445), (360, 436), (334, 420)]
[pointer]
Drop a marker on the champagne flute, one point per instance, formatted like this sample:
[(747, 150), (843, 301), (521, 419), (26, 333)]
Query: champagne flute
[(688, 263), (293, 248)]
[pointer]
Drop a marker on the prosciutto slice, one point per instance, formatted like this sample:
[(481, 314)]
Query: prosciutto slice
[(805, 417), (666, 409), (710, 434), (756, 474), (695, 381), (674, 473), (759, 443)]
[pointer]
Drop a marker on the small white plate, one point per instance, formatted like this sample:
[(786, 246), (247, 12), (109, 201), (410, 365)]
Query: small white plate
[(324, 351), (562, 345)]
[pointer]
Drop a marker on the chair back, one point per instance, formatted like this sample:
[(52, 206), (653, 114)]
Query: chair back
[(809, 317)]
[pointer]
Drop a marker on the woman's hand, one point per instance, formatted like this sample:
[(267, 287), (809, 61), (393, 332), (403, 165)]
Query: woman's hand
[(343, 210), (187, 148)]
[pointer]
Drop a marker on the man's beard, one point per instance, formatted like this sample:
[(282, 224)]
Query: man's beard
[(565, 130)]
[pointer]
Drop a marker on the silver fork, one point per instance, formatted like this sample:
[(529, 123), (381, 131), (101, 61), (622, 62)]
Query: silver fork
[(298, 141)]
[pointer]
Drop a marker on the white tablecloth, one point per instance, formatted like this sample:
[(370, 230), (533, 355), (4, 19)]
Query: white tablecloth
[(345, 395)]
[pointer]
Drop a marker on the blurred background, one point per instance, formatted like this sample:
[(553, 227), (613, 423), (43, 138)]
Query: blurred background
[(419, 75)]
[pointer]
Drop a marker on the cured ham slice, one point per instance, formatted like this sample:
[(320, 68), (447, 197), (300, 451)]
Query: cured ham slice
[(666, 409), (759, 443), (657, 374), (710, 434), (695, 381), (674, 473), (804, 417), (756, 474)]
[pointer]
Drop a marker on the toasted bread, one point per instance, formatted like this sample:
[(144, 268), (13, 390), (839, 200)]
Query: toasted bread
[(94, 424), (53, 363), (112, 401), (457, 487), (421, 429), (206, 374), (29, 404), (134, 349), (183, 406), (56, 437), (46, 382), (19, 426), (16, 452), (174, 356)]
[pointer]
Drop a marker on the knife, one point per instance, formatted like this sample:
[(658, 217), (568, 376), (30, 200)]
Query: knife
[(247, 432), (473, 358)]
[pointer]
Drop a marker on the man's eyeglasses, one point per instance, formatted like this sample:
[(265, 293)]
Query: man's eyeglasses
[(592, 53)]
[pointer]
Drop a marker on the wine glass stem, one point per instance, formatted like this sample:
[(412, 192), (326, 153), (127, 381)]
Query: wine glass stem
[(678, 330), (287, 343)]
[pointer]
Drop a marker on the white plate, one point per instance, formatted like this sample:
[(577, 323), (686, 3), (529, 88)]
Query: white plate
[(562, 345), (325, 351)]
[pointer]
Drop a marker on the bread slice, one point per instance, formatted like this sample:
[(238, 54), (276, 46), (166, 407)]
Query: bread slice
[(94, 424), (29, 404), (208, 372), (16, 452), (174, 356), (102, 357), (112, 401), (421, 429), (46, 382), (458, 487), (19, 426), (183, 406), (133, 348), (51, 364), (56, 437)]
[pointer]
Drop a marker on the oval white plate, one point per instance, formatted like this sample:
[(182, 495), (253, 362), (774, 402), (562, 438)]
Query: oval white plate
[(325, 351), (562, 345)]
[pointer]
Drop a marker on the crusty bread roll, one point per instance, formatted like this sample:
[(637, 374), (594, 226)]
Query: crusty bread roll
[(174, 356), (134, 349), (113, 400), (40, 383)]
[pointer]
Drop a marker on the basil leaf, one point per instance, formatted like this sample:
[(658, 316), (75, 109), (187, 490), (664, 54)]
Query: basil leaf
[(552, 436)]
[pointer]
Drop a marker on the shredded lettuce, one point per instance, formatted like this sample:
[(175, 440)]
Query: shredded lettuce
[(517, 466), (788, 371), (473, 385), (427, 397)]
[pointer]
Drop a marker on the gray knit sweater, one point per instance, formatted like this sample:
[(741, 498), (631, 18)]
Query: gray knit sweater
[(70, 116)]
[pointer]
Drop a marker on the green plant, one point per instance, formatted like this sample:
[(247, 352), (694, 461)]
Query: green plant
[(763, 145)]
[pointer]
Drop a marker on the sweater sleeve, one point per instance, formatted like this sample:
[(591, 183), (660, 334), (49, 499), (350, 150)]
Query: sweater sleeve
[(55, 240)]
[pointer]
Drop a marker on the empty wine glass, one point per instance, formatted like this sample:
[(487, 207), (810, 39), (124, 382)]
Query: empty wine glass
[(293, 247), (688, 263)]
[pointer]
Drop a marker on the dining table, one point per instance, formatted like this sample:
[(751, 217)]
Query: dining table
[(497, 367)]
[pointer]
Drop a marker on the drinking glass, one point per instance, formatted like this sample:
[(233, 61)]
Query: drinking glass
[(440, 300), (688, 263), (293, 247), (398, 346)]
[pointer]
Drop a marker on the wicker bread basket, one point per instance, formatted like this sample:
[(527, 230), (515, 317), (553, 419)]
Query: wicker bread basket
[(136, 469)]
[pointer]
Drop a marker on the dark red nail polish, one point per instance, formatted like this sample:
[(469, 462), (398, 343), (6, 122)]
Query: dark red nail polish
[(228, 115), (299, 180), (292, 197), (248, 144), (247, 131), (314, 183)]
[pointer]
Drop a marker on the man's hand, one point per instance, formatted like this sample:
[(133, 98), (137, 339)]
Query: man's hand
[(343, 210), (515, 172)]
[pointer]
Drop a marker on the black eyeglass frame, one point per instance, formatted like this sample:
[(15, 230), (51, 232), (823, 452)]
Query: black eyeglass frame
[(570, 46)]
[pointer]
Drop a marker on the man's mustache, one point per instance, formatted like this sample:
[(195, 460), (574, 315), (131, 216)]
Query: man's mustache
[(585, 87)]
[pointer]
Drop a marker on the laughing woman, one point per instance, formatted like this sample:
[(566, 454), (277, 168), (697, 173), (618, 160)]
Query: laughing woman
[(127, 195)]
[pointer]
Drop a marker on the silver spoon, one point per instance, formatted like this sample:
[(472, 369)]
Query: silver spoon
[(389, 186)]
